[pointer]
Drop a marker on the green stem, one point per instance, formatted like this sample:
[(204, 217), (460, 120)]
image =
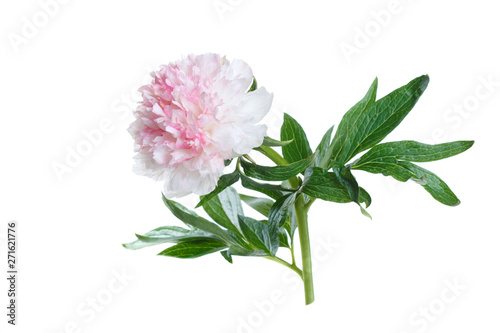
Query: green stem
[(309, 203), (305, 248), (273, 155), (301, 213), (286, 264), (292, 250)]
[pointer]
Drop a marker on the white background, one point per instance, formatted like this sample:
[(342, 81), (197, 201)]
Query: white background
[(85, 60)]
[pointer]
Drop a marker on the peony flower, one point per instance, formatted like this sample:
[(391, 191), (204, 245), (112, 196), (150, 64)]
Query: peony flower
[(195, 114)]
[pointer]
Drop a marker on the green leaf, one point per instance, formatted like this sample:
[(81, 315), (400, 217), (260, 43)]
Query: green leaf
[(347, 180), (345, 130), (413, 151), (364, 197), (225, 208), (262, 205), (299, 148), (224, 182), (239, 251), (283, 238), (257, 233), (366, 124), (273, 191), (253, 86), (389, 166), (275, 143), (393, 159), (191, 218), (432, 184), (193, 249), (166, 234), (280, 172), (291, 224), (337, 186), (404, 170), (324, 151), (226, 255), (279, 213), (280, 209), (318, 183)]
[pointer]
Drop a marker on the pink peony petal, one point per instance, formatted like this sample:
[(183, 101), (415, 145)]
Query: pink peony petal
[(195, 113)]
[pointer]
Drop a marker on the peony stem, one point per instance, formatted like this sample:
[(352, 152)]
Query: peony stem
[(301, 209), (286, 264), (305, 248), (273, 155)]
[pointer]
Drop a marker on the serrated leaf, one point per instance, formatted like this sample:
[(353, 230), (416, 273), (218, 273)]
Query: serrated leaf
[(258, 234), (365, 125), (224, 182), (324, 151), (224, 209), (276, 173), (299, 148), (262, 205), (193, 249), (275, 143), (273, 191), (191, 218), (166, 234), (413, 151)]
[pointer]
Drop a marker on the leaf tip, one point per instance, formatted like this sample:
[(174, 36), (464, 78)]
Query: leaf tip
[(127, 246), (365, 212), (424, 82), (164, 198)]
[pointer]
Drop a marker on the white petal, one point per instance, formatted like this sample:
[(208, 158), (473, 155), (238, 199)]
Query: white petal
[(184, 181), (253, 137), (255, 105)]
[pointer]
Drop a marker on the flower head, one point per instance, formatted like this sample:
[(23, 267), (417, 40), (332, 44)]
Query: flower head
[(196, 113)]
